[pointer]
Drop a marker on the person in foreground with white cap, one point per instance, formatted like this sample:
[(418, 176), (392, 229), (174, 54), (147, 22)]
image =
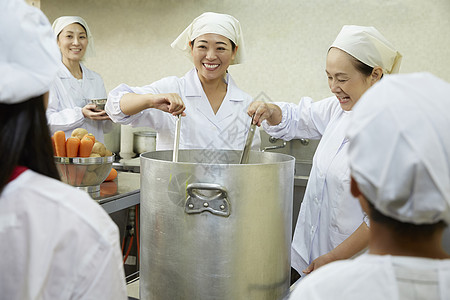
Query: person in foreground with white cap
[(400, 172), (75, 86), (213, 106), (56, 242), (329, 215)]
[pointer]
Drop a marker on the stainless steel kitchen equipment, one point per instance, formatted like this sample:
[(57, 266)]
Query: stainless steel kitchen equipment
[(176, 143), (248, 143), (212, 228), (99, 103), (144, 141), (85, 173)]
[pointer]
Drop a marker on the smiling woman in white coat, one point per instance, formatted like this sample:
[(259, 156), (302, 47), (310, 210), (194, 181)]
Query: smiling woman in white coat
[(212, 106), (71, 93), (399, 155), (56, 242), (329, 214)]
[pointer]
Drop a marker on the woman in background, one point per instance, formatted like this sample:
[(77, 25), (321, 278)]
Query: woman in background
[(329, 214), (214, 107), (71, 93), (56, 242)]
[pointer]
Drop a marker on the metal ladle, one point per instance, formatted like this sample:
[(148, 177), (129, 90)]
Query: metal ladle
[(248, 143), (176, 143)]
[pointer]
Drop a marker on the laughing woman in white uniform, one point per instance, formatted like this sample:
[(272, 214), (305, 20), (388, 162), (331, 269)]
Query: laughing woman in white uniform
[(213, 107), (329, 215), (75, 86), (399, 158), (56, 242)]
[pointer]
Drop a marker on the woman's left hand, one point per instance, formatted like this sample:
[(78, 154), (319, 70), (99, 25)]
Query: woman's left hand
[(319, 262), (89, 111)]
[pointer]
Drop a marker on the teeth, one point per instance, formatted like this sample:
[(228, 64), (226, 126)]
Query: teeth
[(211, 66)]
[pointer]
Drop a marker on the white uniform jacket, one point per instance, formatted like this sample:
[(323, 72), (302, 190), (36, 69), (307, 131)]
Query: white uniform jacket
[(68, 96), (377, 277), (57, 243), (329, 213), (201, 128)]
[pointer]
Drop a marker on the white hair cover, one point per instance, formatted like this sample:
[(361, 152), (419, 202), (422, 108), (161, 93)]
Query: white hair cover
[(400, 147), (369, 46), (210, 22), (29, 55)]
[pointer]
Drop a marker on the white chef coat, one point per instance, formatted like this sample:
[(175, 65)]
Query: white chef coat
[(68, 96), (329, 213), (57, 243), (201, 128), (378, 277)]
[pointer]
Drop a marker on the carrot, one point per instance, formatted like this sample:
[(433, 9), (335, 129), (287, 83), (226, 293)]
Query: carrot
[(72, 146), (81, 170), (62, 172), (86, 145), (60, 143), (112, 175), (91, 136), (53, 145)]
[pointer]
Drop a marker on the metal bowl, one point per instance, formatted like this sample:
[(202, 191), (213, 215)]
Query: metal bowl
[(100, 103), (85, 173)]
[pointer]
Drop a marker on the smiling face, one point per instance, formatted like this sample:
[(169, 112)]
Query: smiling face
[(212, 54), (72, 42), (345, 80)]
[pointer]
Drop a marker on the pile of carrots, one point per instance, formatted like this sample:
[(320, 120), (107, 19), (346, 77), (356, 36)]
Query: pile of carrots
[(79, 144), (73, 146)]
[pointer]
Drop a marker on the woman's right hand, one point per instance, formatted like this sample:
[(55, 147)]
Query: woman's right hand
[(171, 103), (264, 111), (89, 111)]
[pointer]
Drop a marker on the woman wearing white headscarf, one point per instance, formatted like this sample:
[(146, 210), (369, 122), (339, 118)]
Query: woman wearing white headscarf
[(399, 157), (56, 243), (329, 215), (213, 106), (71, 93)]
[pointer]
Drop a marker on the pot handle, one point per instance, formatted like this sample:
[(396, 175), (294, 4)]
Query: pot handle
[(198, 202)]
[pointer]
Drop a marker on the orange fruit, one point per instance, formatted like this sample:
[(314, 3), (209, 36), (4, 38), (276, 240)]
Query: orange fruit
[(112, 175)]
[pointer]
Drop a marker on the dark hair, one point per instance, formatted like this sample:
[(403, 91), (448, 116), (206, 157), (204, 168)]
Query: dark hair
[(361, 67), (233, 45), (403, 229), (25, 139), (57, 37)]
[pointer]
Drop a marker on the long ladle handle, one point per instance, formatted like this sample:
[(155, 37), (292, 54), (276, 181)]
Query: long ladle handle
[(248, 143), (176, 143)]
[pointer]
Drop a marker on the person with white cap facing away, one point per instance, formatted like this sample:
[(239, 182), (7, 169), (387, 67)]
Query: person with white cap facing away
[(329, 215), (214, 108), (56, 242), (400, 171), (71, 93)]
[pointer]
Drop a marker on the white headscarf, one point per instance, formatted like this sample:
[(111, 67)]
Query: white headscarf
[(29, 55), (61, 22), (368, 46), (210, 22), (400, 147)]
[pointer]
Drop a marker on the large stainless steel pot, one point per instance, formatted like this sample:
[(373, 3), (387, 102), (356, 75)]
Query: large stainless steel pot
[(214, 229), (144, 141)]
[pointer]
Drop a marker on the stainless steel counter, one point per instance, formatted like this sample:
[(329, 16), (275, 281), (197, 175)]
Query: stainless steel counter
[(121, 193)]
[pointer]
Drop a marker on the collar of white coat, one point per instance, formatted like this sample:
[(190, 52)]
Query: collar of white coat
[(195, 88), (65, 73)]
